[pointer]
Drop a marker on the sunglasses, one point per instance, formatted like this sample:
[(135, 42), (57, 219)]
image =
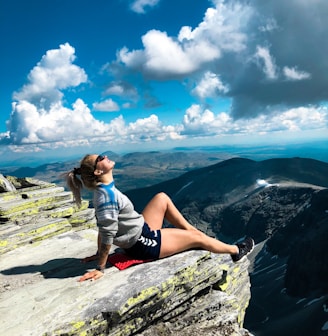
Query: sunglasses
[(98, 159)]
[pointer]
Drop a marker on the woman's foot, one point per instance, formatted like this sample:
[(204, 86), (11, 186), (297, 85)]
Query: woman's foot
[(245, 247)]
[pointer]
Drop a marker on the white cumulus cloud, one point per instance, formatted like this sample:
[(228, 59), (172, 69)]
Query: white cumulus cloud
[(269, 66), (210, 86), (40, 118), (294, 74), (140, 6), (53, 73), (107, 105), (204, 122), (163, 56)]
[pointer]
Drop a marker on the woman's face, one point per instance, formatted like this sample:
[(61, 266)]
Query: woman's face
[(102, 163)]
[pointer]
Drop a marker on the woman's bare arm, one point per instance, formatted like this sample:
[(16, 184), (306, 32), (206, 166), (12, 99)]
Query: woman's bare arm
[(102, 260)]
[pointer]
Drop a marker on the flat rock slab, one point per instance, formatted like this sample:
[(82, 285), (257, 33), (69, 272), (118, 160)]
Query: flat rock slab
[(39, 280), (39, 291)]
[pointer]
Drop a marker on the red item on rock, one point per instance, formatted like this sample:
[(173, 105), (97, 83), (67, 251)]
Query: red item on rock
[(123, 261)]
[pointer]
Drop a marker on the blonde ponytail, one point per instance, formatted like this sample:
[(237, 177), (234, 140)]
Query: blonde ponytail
[(74, 184), (88, 178)]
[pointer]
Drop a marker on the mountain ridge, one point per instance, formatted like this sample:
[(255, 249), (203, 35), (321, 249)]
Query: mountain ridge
[(236, 172)]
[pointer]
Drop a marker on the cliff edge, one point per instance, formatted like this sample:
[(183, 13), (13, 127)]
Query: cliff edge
[(43, 237)]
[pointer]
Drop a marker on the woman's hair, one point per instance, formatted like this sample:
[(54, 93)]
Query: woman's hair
[(88, 178)]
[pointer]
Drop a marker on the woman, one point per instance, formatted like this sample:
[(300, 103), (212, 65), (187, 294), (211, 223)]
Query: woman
[(140, 235)]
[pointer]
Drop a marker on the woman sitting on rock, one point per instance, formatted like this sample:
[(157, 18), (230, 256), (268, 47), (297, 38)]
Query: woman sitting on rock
[(140, 235)]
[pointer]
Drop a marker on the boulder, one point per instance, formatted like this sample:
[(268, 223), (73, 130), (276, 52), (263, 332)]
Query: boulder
[(5, 184)]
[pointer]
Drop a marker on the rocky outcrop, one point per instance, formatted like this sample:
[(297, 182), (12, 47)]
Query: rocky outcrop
[(37, 210), (43, 238)]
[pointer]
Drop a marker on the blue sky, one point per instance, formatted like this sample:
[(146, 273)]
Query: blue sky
[(87, 76)]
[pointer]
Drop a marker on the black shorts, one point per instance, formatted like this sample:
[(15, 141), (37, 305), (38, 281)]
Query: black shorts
[(148, 246)]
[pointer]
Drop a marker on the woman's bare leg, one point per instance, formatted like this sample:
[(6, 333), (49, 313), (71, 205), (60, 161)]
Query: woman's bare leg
[(184, 236), (177, 240), (160, 207)]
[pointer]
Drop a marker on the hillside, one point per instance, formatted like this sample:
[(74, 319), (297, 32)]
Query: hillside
[(282, 203)]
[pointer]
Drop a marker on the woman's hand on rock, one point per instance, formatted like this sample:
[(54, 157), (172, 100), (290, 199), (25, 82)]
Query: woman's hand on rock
[(92, 275)]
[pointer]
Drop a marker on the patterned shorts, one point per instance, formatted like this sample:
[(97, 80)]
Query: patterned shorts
[(148, 245)]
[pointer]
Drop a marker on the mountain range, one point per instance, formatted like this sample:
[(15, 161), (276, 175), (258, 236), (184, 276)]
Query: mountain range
[(282, 203), (132, 170)]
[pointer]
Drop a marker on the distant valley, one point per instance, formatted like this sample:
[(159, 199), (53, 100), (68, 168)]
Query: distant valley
[(133, 170), (140, 169)]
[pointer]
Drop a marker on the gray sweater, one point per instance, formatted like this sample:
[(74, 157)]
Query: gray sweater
[(117, 220)]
